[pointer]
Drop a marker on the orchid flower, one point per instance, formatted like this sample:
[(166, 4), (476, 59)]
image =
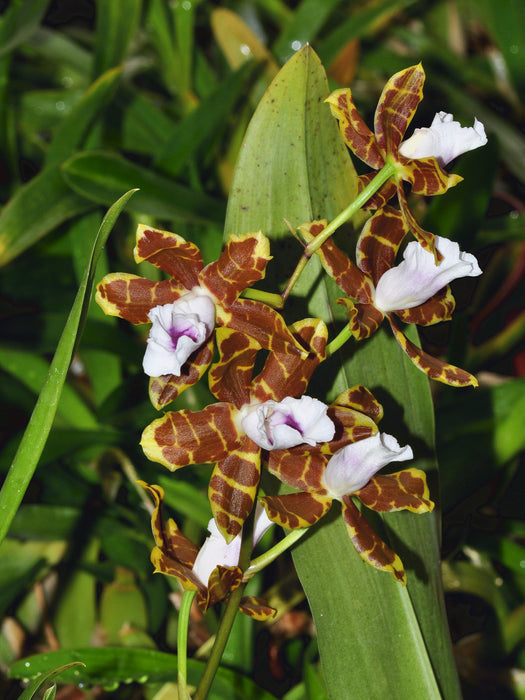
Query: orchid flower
[(264, 413), (416, 290), (344, 469), (185, 308), (420, 159), (213, 569)]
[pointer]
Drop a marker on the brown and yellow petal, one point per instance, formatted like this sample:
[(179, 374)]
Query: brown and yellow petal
[(169, 252), (257, 608), (223, 580), (431, 366), (231, 376), (404, 490), (426, 176), (363, 319), (379, 242), (381, 198), (423, 237), (354, 132), (233, 487), (397, 105), (286, 374), (435, 310), (242, 263), (360, 399), (300, 467), (170, 567), (295, 510), (368, 544), (260, 322), (164, 389), (192, 437), (132, 297)]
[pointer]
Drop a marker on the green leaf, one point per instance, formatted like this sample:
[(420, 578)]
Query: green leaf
[(72, 130), (37, 208), (100, 176), (35, 685), (373, 633), (20, 20), (110, 666), (35, 435), (117, 23)]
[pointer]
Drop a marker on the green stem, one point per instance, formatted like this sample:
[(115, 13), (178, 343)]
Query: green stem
[(228, 617), (182, 642), (379, 180), (339, 340), (272, 554), (273, 300)]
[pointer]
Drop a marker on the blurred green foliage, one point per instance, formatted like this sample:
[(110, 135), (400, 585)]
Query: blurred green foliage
[(99, 97)]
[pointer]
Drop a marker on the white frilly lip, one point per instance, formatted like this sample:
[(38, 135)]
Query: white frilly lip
[(445, 139), (417, 277), (216, 552), (279, 425), (177, 330), (354, 465)]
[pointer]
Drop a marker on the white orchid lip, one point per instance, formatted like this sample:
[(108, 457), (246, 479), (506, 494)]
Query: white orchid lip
[(352, 467), (445, 139), (279, 425), (216, 552), (417, 277), (177, 330)]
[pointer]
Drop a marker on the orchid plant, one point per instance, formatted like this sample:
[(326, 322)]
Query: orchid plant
[(265, 418)]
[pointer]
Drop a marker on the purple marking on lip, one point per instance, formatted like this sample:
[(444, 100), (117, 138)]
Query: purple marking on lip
[(180, 328)]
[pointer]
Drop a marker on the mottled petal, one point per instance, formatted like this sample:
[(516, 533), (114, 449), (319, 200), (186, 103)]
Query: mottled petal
[(287, 374), (445, 139), (260, 322), (424, 237), (223, 580), (280, 425), (360, 399), (231, 376), (233, 487), (437, 309), (368, 544), (295, 510), (177, 331), (242, 263), (426, 176), (353, 466), (171, 567), (256, 608), (131, 297), (431, 366), (169, 252), (164, 389), (405, 490), (397, 105), (363, 319), (417, 277), (192, 437), (354, 131), (379, 242), (381, 198), (300, 468)]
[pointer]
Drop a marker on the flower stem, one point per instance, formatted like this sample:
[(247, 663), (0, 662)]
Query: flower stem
[(269, 298), (339, 340), (182, 642), (269, 556), (379, 180)]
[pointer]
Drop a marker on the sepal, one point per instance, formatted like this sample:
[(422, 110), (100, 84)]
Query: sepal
[(171, 253), (403, 490), (296, 510)]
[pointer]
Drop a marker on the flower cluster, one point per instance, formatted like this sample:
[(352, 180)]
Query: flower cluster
[(263, 416)]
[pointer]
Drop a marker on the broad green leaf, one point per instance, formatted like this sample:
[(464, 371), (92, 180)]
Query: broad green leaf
[(36, 685), (19, 21), (110, 666), (37, 431), (37, 208), (117, 23), (72, 130), (100, 176), (293, 165)]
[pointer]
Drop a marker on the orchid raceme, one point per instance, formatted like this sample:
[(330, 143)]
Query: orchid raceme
[(212, 570), (185, 308), (416, 290), (265, 412), (419, 160), (346, 468)]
